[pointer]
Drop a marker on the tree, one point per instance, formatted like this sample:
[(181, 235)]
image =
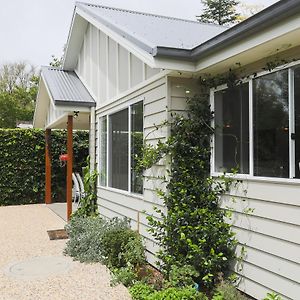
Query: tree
[(220, 12), (18, 90)]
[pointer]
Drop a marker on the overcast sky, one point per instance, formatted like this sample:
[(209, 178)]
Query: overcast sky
[(33, 30)]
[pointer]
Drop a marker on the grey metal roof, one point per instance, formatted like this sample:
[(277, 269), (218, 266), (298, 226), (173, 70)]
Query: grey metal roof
[(150, 31), (268, 17), (66, 88)]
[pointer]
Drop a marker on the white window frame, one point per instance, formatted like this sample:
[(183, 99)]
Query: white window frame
[(107, 114), (290, 67)]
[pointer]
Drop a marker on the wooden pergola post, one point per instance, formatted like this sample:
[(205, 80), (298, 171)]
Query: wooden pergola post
[(69, 166), (48, 198)]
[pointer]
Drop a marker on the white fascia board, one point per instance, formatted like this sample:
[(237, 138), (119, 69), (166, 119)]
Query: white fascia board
[(252, 43), (174, 64), (142, 55), (42, 105)]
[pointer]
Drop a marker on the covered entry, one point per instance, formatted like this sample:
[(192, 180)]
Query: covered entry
[(63, 102)]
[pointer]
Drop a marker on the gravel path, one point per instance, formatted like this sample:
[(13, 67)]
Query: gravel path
[(23, 236)]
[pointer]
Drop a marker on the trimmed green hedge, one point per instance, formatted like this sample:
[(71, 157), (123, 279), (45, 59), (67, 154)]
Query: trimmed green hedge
[(22, 164)]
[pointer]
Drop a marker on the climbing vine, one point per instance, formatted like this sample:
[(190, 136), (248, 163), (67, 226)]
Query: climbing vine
[(193, 231)]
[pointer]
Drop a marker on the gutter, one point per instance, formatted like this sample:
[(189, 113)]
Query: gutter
[(266, 18)]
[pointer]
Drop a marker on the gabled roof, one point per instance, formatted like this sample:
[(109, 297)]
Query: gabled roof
[(149, 31), (66, 88)]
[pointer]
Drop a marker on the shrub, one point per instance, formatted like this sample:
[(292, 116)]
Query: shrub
[(22, 164), (181, 276), (141, 291), (85, 238), (94, 239), (226, 291), (124, 275)]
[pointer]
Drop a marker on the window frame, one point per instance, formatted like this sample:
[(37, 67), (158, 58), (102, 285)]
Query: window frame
[(108, 113), (291, 100)]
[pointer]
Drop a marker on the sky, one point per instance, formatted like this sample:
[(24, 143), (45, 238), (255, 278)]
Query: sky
[(34, 30)]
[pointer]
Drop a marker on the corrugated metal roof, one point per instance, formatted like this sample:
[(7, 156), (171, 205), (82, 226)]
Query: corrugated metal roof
[(66, 88), (150, 31)]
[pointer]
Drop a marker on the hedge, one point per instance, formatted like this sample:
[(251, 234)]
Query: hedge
[(22, 164)]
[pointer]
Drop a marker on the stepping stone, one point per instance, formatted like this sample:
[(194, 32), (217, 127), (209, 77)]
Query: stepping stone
[(39, 267)]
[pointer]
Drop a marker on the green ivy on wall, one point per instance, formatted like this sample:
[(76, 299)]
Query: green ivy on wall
[(22, 164), (193, 231)]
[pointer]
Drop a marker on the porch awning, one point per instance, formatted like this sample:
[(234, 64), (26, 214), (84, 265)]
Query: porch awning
[(61, 93)]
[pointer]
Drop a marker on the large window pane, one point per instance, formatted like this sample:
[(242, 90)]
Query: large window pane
[(271, 121), (118, 172), (232, 129), (297, 120), (136, 146), (102, 151)]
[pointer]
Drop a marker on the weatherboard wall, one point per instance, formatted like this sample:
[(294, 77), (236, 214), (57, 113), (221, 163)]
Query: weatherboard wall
[(266, 221)]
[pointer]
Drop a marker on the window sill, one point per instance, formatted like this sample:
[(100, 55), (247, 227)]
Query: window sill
[(126, 193), (275, 180)]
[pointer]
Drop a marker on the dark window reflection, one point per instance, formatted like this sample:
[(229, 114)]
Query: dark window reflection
[(232, 129), (119, 150), (271, 121), (136, 146), (297, 120)]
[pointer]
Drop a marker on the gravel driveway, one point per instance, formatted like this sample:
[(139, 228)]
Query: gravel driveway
[(24, 241)]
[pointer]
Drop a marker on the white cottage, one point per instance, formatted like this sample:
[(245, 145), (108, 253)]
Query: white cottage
[(125, 72)]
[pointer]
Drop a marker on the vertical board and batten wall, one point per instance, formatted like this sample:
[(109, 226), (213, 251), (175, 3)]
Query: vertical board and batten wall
[(107, 69), (266, 220)]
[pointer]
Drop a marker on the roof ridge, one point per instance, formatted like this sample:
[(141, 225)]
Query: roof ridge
[(147, 14)]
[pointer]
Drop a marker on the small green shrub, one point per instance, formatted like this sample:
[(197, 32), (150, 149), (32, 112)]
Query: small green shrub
[(187, 293), (124, 275), (226, 291), (117, 245), (181, 276), (141, 291), (272, 296)]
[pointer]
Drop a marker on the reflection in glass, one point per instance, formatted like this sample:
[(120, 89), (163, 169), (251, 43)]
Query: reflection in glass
[(119, 150), (232, 129), (136, 146), (297, 120), (271, 125), (102, 151)]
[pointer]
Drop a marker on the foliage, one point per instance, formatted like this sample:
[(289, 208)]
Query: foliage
[(18, 90), (22, 164), (141, 291), (220, 12), (181, 276), (115, 248), (88, 204), (272, 296), (85, 236), (125, 275), (94, 239), (226, 291), (193, 232)]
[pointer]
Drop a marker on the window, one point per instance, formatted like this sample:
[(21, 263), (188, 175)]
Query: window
[(257, 126), (120, 141)]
